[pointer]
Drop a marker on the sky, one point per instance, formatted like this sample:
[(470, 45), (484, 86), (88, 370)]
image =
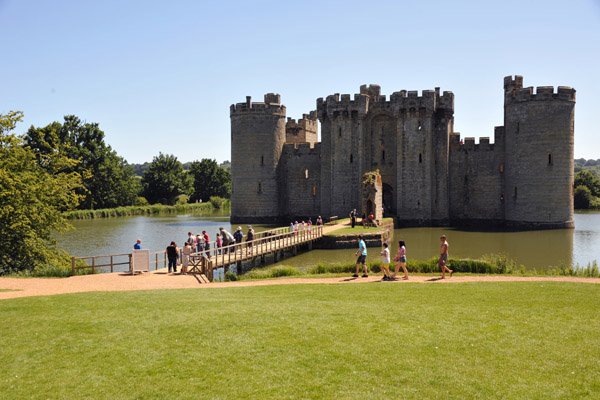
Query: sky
[(160, 76)]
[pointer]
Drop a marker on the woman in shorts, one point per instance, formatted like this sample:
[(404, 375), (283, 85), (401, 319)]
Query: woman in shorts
[(401, 260)]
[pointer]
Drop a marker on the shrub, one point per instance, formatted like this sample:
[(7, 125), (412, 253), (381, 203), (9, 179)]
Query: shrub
[(182, 199), (582, 197), (274, 272), (218, 202), (141, 201)]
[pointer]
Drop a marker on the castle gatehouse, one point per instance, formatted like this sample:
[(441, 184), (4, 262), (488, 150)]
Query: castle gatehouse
[(524, 179)]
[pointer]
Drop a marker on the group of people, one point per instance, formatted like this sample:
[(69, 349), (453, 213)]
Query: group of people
[(399, 259), (200, 243), (302, 226), (366, 219)]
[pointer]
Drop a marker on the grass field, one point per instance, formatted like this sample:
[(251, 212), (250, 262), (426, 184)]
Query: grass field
[(534, 340), (354, 231)]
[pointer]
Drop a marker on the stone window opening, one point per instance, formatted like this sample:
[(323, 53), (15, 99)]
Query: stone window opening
[(306, 173), (501, 196), (382, 131), (501, 168), (420, 158), (550, 159), (515, 194), (259, 187), (314, 190), (420, 126), (351, 158), (382, 155), (262, 160), (517, 127), (340, 132)]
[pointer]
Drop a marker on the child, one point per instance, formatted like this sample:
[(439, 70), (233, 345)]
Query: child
[(219, 243), (401, 260), (385, 255)]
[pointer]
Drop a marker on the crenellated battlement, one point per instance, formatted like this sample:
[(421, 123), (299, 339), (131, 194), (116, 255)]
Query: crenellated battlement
[(271, 106), (301, 149), (370, 96), (514, 92), (469, 143)]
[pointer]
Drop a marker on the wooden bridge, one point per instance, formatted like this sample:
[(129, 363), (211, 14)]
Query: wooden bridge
[(272, 242)]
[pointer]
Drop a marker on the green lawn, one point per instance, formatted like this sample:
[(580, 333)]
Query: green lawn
[(534, 340), (356, 230)]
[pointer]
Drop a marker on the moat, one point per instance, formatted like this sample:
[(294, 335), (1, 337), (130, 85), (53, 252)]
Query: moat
[(534, 249)]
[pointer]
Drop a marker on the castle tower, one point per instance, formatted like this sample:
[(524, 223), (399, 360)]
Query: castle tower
[(539, 134), (257, 138), (303, 131)]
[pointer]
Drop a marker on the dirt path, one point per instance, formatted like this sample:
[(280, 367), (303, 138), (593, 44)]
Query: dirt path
[(25, 287)]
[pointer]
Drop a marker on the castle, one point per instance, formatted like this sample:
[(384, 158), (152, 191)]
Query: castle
[(523, 180)]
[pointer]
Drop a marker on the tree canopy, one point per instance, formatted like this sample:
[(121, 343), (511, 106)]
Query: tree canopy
[(587, 190), (165, 179), (107, 180), (209, 180), (31, 201)]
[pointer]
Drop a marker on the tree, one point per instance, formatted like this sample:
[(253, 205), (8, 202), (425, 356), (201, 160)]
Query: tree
[(589, 180), (209, 180), (31, 201), (165, 179), (582, 198), (108, 181)]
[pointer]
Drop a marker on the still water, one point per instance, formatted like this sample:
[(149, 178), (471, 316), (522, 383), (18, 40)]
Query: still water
[(534, 249)]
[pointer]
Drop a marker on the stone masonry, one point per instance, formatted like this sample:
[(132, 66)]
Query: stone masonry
[(430, 177)]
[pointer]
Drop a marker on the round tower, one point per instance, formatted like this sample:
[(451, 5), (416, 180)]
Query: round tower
[(257, 138), (538, 170)]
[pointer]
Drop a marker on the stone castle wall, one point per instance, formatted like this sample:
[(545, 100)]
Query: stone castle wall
[(429, 177)]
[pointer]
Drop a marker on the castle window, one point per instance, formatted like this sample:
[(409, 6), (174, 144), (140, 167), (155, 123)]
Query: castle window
[(351, 158), (501, 196), (517, 127), (382, 155), (314, 191), (420, 126), (262, 160), (420, 158), (549, 158), (501, 168), (340, 132), (382, 131), (306, 173), (259, 187), (515, 195)]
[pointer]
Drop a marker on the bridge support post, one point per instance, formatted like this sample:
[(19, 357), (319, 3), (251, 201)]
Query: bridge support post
[(239, 267), (262, 259), (275, 256), (310, 245), (295, 250), (253, 262)]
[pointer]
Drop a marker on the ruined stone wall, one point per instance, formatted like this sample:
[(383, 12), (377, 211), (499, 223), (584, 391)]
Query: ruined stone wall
[(300, 177), (539, 155), (476, 179), (257, 138)]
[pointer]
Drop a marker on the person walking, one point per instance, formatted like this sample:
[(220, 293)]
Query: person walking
[(227, 239), (362, 257), (353, 217), (238, 235), (401, 260), (385, 260), (219, 242), (172, 253), (249, 239), (199, 243), (138, 245), (186, 253), (206, 243), (444, 257)]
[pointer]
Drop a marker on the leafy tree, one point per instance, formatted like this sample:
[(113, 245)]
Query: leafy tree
[(209, 180), (31, 200), (589, 180), (107, 180), (165, 180), (582, 198)]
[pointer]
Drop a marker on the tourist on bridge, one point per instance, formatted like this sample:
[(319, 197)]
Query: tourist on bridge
[(199, 243), (227, 239), (291, 227), (186, 253), (295, 226), (238, 235), (219, 242), (362, 257), (401, 260), (319, 221), (192, 239), (206, 243), (172, 255), (138, 245), (249, 239)]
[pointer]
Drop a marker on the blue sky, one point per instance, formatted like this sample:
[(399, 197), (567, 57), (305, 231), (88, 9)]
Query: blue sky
[(160, 76)]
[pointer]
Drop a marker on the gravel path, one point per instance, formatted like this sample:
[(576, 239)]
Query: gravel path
[(25, 287)]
